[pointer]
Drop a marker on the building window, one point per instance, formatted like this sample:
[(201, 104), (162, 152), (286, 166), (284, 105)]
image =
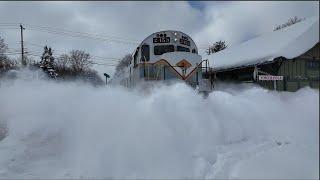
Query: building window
[(159, 50), (183, 49), (145, 52), (313, 65)]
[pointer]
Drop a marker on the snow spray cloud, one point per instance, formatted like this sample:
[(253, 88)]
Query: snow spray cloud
[(61, 130)]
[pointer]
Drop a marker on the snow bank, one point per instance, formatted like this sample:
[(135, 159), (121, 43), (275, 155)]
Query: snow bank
[(283, 162), (72, 130), (288, 42)]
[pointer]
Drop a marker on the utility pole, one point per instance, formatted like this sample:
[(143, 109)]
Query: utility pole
[(23, 62)]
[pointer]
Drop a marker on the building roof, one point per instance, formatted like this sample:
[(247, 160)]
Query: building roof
[(288, 42)]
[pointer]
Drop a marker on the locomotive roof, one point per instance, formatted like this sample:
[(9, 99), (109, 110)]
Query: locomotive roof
[(166, 31)]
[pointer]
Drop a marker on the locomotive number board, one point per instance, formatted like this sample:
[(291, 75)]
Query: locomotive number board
[(184, 40), (161, 40)]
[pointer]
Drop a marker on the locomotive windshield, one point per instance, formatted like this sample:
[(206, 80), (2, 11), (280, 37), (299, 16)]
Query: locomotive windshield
[(183, 49), (159, 50)]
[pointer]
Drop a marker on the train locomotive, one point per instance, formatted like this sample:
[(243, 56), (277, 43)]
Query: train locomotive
[(167, 56)]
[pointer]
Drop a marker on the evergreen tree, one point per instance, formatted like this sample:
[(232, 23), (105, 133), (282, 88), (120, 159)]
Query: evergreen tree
[(47, 62)]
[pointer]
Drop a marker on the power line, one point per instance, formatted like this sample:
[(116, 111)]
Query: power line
[(9, 28), (93, 56), (64, 32), (83, 36), (92, 62), (12, 50), (11, 53), (77, 32), (36, 53), (104, 64), (39, 54), (74, 33), (80, 34), (9, 23)]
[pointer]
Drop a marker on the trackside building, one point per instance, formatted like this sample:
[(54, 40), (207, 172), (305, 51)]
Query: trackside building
[(285, 60)]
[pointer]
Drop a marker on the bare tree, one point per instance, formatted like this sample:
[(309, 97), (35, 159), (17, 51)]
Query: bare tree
[(30, 60), (76, 65), (7, 64), (217, 46), (5, 61), (124, 62), (3, 47), (80, 60), (3, 129), (63, 62), (291, 21)]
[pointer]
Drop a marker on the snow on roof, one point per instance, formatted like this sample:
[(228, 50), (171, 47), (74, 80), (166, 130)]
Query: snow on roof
[(288, 42)]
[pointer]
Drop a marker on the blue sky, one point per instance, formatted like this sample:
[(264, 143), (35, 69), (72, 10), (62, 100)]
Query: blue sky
[(197, 4)]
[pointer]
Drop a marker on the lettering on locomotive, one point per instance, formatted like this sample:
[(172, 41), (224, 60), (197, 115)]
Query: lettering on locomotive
[(184, 40), (161, 38)]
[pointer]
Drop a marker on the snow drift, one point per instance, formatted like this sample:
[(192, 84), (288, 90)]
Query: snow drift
[(73, 130)]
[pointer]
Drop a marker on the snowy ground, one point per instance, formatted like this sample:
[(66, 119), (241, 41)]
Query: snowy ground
[(64, 130)]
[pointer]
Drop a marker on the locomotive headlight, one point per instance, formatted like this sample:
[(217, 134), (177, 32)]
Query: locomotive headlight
[(175, 33), (175, 39)]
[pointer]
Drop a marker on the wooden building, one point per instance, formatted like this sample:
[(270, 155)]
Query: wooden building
[(285, 60)]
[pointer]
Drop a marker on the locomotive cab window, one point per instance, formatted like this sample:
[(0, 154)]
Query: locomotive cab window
[(135, 56), (159, 50), (194, 51), (183, 49), (145, 52)]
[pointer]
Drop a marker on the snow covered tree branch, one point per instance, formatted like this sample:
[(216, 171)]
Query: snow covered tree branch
[(217, 46), (291, 21)]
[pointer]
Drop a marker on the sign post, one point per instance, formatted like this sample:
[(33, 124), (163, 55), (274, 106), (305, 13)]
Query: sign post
[(271, 78)]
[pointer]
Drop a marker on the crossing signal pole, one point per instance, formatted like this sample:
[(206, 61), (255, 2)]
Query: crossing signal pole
[(23, 62), (107, 76)]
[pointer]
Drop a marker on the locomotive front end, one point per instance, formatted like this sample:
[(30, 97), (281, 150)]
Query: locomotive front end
[(166, 56)]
